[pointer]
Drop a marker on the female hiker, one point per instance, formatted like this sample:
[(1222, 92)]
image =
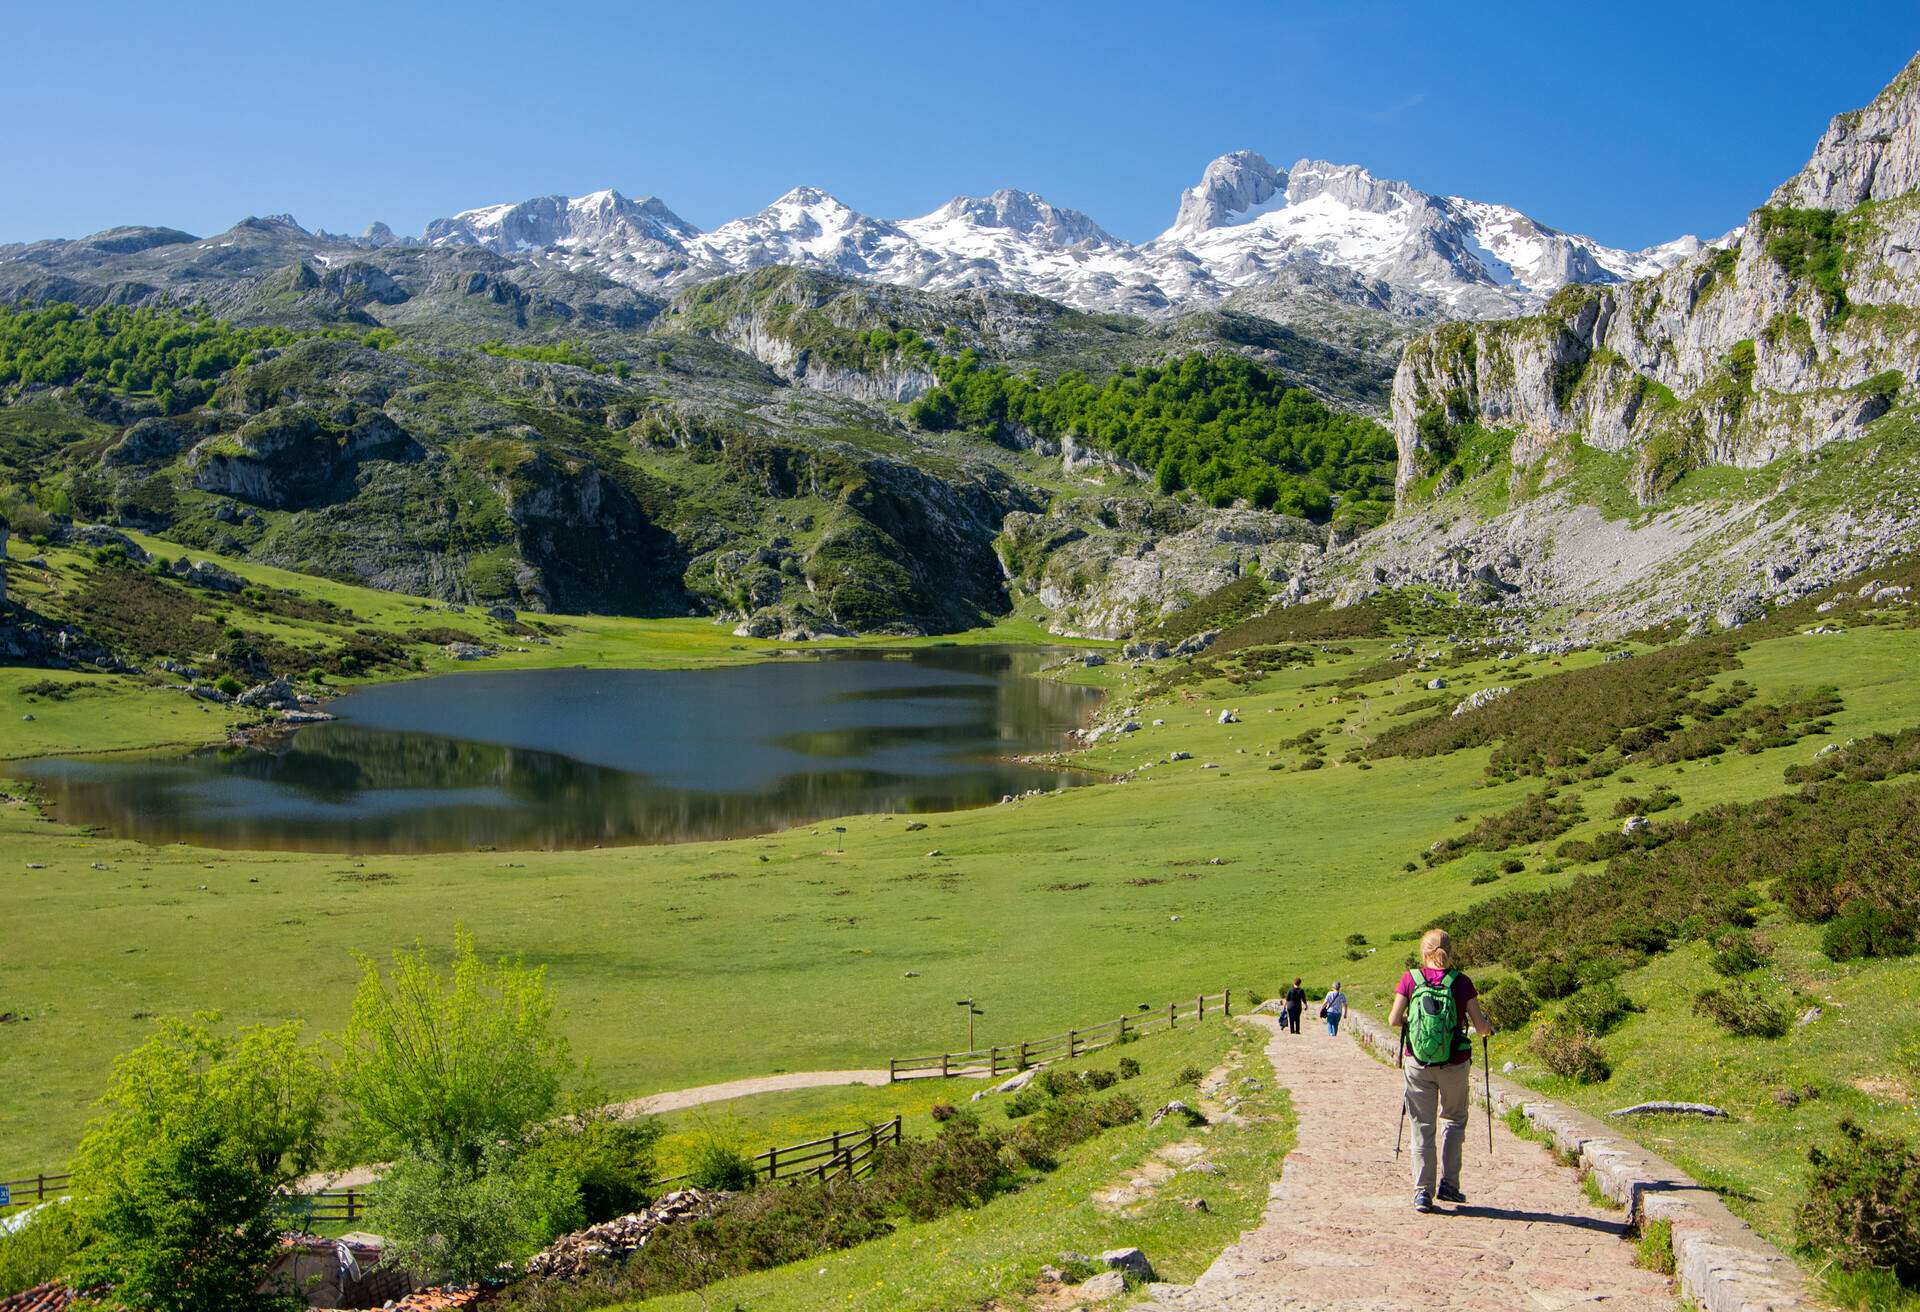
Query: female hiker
[(1434, 1003), (1296, 1002), (1332, 1008)]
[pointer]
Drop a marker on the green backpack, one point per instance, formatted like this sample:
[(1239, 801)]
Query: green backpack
[(1434, 1020)]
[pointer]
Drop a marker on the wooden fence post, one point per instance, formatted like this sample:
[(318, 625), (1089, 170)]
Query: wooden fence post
[(773, 1163), (993, 1060), (1170, 1013), (1073, 1039), (893, 1069), (1202, 1006), (1123, 1030), (1226, 1001), (1024, 1063), (943, 1065)]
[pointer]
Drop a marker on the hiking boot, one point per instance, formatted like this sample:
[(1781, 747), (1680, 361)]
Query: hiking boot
[(1450, 1193), (1422, 1202)]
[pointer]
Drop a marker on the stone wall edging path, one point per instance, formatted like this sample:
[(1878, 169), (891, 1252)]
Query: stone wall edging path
[(1723, 1264)]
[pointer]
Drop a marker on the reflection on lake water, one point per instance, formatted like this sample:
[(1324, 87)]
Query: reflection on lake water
[(578, 758)]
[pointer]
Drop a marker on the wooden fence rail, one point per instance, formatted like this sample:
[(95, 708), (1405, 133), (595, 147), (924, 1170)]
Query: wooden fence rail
[(844, 1153), (1010, 1058), (36, 1189)]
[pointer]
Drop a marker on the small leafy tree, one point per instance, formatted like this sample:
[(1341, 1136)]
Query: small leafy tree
[(453, 1076), (175, 1185), (448, 1064)]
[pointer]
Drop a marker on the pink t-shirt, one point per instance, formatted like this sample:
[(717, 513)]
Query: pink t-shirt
[(1463, 993)]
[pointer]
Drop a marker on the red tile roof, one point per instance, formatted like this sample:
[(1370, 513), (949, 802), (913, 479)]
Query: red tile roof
[(50, 1297), (429, 1300)]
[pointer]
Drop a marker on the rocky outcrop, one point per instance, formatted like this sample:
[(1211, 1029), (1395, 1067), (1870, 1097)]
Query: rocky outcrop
[(1796, 331), (293, 456), (1107, 568)]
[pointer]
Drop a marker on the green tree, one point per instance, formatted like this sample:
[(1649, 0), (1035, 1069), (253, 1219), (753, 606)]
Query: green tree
[(446, 1064), (176, 1184)]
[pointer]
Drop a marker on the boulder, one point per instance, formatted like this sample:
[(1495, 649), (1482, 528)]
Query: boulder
[(1634, 824), (1105, 1285), (1198, 642), (1435, 685), (205, 574), (1152, 649), (1092, 659), (277, 694), (1130, 1262), (505, 614), (467, 651), (1228, 717)]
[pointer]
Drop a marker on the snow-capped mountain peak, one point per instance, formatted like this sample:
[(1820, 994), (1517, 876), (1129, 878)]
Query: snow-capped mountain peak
[(1240, 227), (1235, 188), (1022, 212)]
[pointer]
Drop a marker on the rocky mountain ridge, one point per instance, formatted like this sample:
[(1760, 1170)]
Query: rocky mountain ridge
[(1245, 227)]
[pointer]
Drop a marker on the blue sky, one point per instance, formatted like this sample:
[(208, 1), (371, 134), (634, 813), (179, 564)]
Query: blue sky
[(1633, 122)]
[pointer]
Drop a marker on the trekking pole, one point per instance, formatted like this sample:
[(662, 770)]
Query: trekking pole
[(1399, 1064), (1486, 1074)]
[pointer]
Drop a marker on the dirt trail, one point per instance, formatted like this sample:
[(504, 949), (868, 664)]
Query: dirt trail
[(1340, 1233), (673, 1100)]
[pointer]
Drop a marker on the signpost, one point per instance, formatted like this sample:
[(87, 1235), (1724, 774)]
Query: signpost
[(972, 1011)]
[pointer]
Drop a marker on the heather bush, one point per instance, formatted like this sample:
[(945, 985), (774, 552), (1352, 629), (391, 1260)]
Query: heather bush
[(1569, 1051), (1509, 1004), (1739, 952), (1598, 1009), (1865, 930), (1863, 1202), (1743, 1009)]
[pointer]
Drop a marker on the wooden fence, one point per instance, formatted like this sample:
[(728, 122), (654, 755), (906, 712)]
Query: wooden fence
[(845, 1154), (1010, 1058), (36, 1189)]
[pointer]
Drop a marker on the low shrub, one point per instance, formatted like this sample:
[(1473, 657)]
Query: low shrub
[(1570, 1052), (1188, 1075), (1660, 799), (1739, 952), (1863, 1202), (1551, 978), (1485, 877), (1128, 1068), (1742, 1009), (943, 1111), (721, 1166), (229, 685), (1513, 865), (1598, 1009), (1509, 1004), (1356, 940), (1865, 930)]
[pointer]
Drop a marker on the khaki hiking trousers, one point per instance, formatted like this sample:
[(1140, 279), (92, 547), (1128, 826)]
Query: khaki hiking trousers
[(1437, 1099)]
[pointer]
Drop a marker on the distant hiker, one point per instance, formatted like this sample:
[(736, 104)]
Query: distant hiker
[(1296, 1002), (1332, 1008), (1434, 1003)]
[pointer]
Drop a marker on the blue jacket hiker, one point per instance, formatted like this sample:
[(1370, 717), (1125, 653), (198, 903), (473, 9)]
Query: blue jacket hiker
[(1332, 1008)]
